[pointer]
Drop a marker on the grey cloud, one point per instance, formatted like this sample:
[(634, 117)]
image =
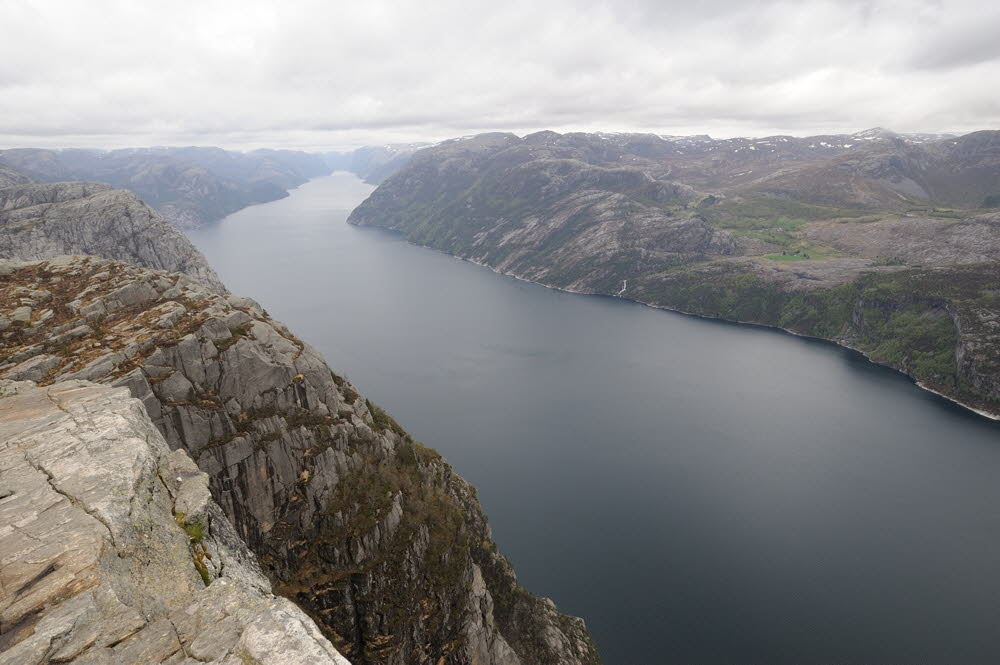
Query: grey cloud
[(972, 44), (318, 74)]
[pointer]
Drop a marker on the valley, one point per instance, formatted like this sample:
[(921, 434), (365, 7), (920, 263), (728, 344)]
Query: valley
[(697, 491), (449, 333)]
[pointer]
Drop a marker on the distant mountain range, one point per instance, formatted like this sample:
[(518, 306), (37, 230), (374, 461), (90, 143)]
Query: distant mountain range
[(189, 186), (197, 185), (192, 186), (885, 242), (373, 163)]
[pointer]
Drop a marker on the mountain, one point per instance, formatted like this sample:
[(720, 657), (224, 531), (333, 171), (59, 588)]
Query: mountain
[(896, 174), (880, 241), (373, 164), (188, 186), (43, 220), (369, 532), (115, 552), (9, 177), (193, 186)]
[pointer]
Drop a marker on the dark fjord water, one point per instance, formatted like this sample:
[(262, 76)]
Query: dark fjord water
[(700, 492)]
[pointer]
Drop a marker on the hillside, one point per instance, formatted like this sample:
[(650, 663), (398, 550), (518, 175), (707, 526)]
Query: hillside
[(188, 186), (880, 241), (372, 163), (9, 177), (371, 533)]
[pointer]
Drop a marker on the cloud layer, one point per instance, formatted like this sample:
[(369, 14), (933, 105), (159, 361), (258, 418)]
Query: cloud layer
[(319, 74)]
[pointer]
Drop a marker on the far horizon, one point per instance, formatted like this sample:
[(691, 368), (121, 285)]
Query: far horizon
[(106, 147)]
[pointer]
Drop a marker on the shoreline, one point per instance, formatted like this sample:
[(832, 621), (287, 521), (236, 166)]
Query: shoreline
[(995, 417)]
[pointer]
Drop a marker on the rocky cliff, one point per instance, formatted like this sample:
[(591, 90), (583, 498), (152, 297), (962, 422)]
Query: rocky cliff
[(44, 220), (851, 238), (113, 551), (368, 531)]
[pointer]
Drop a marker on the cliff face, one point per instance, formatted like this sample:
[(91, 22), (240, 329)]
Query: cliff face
[(371, 533), (41, 221), (837, 237), (113, 550)]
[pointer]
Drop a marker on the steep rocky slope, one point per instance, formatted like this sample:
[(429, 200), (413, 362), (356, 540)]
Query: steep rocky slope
[(10, 177), (368, 531), (189, 186), (851, 238), (44, 220), (113, 551)]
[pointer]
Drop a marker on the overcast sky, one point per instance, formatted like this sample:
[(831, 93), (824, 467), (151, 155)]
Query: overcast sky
[(336, 74)]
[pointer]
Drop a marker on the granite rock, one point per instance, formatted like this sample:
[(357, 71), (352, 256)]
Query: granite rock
[(45, 220), (113, 551), (367, 530)]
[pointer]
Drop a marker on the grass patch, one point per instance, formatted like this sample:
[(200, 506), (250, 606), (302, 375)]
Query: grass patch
[(805, 252), (237, 333), (382, 421), (737, 212), (196, 531)]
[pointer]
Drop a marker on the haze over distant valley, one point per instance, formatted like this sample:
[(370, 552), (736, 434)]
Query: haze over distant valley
[(196, 185)]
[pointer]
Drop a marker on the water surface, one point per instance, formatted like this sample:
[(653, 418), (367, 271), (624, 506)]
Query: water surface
[(700, 492)]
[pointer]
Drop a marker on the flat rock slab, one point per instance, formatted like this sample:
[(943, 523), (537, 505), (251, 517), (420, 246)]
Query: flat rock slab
[(96, 563)]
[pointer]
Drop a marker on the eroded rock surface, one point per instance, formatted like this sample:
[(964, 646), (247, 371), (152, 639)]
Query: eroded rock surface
[(112, 550), (914, 240), (46, 220), (9, 177), (370, 532)]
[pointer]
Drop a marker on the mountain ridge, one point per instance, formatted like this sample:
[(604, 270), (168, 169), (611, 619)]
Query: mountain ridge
[(189, 186), (860, 244)]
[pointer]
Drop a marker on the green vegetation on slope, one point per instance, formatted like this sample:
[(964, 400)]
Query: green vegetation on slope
[(904, 319)]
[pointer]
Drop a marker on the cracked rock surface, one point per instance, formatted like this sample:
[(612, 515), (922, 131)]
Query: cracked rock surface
[(371, 533), (45, 220), (112, 550)]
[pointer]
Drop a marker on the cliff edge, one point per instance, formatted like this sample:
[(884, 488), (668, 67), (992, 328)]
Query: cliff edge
[(371, 533), (46, 220), (113, 551)]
